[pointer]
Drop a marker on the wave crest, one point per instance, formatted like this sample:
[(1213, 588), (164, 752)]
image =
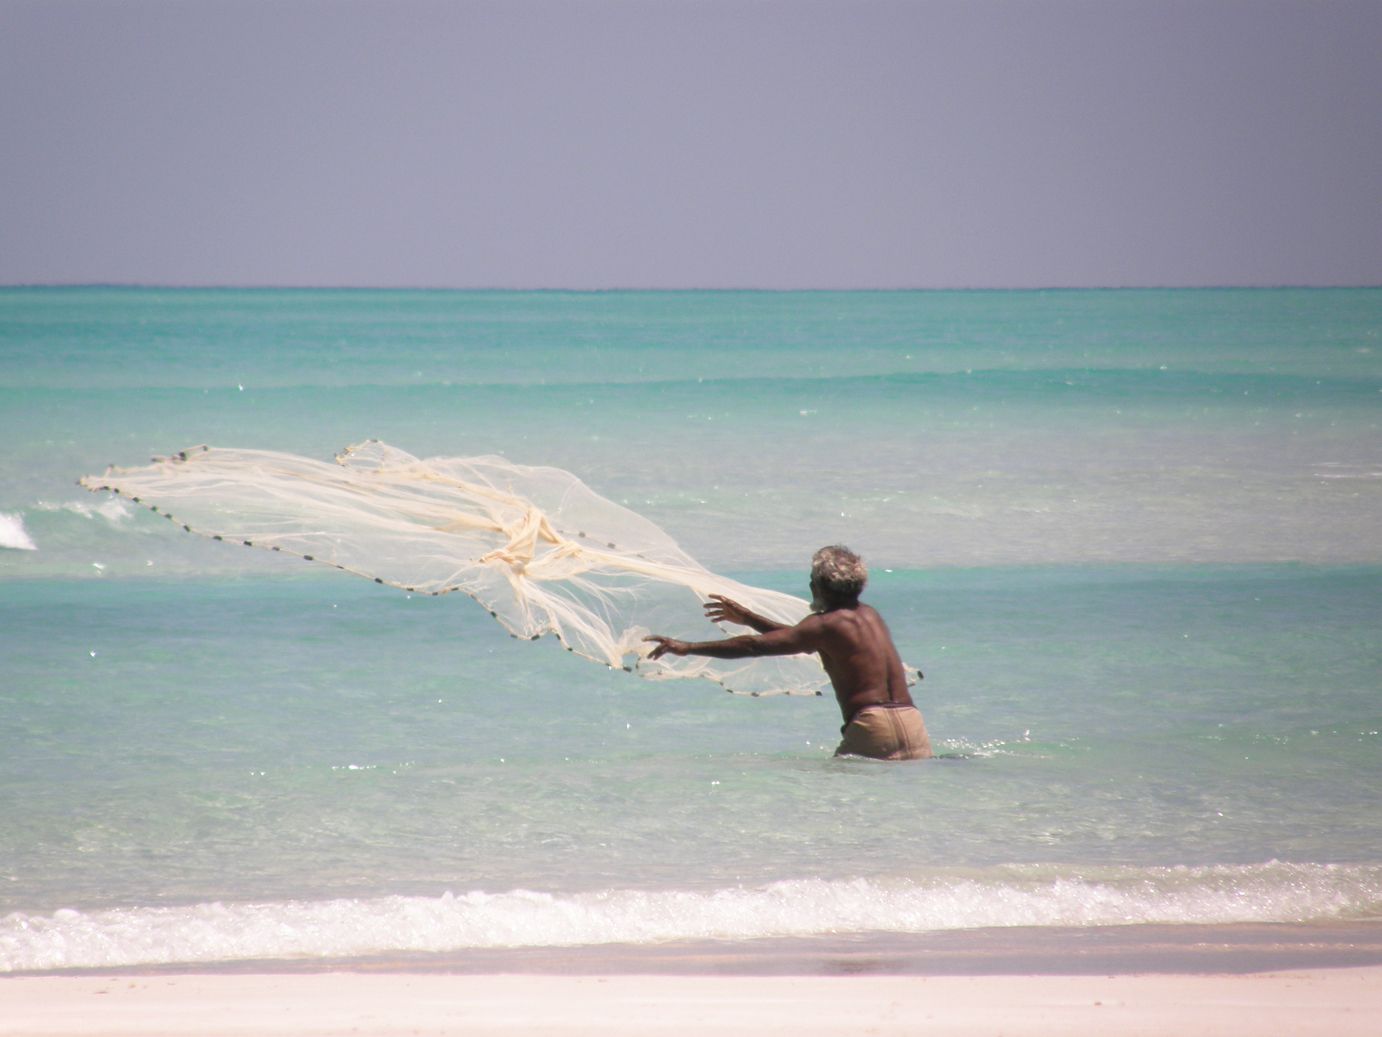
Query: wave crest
[(1009, 896)]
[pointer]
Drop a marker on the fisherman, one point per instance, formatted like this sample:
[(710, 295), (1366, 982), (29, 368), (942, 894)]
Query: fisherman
[(856, 649)]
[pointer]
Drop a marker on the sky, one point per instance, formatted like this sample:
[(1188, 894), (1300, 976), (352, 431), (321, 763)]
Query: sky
[(597, 144)]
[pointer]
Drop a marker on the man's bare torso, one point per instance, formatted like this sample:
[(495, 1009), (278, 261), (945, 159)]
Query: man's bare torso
[(851, 638), (857, 652)]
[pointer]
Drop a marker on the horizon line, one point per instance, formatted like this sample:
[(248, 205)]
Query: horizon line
[(899, 289)]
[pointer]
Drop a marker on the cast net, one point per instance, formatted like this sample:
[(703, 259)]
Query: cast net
[(535, 546)]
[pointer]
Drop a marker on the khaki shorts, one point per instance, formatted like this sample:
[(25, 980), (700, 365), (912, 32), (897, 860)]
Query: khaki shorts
[(886, 733)]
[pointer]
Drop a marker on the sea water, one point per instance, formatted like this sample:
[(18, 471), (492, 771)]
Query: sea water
[(1133, 539)]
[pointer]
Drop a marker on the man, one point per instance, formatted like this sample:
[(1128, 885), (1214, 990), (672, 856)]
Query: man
[(856, 650)]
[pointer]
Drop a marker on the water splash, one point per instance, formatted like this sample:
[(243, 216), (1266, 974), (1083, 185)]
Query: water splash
[(13, 535)]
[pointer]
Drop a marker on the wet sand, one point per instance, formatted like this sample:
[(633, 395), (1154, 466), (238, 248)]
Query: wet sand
[(1133, 980)]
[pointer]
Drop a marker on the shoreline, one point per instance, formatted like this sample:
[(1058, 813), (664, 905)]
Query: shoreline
[(1140, 949), (1240, 980)]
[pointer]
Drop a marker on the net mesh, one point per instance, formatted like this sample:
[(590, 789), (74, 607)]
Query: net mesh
[(535, 546)]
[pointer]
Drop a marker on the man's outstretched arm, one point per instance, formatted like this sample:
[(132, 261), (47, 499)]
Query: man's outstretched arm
[(720, 609), (796, 640)]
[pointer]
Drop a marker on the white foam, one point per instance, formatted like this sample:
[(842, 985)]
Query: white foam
[(1013, 896), (13, 535), (1345, 470), (113, 509)]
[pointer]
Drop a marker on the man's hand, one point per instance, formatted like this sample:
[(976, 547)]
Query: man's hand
[(666, 645), (720, 609)]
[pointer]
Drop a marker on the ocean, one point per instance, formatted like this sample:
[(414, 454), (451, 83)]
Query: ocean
[(1133, 539)]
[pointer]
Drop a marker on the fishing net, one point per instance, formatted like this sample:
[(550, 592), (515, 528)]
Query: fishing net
[(535, 546)]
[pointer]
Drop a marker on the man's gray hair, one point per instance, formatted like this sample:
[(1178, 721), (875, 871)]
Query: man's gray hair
[(839, 571)]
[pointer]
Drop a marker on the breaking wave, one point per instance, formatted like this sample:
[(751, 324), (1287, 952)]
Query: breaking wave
[(1010, 896)]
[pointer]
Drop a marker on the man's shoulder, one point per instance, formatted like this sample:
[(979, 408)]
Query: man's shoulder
[(852, 622), (841, 619)]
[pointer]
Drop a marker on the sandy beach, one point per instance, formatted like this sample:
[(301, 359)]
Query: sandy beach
[(1339, 1002), (1123, 980)]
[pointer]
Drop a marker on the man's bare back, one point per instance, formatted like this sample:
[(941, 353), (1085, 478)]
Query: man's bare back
[(857, 652), (855, 648)]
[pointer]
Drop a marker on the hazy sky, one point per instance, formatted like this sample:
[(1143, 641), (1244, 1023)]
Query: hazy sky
[(595, 143)]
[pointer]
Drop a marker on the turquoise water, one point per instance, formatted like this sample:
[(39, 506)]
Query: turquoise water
[(1131, 537)]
